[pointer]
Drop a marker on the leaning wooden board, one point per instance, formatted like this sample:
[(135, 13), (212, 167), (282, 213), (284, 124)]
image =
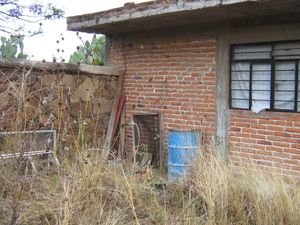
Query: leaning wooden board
[(110, 129)]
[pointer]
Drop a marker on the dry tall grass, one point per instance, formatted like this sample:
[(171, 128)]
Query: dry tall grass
[(231, 195), (86, 191)]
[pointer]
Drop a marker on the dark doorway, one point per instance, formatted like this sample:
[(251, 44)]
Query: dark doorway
[(147, 136)]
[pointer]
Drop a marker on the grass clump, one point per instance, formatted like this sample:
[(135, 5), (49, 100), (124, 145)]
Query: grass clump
[(88, 191), (233, 195)]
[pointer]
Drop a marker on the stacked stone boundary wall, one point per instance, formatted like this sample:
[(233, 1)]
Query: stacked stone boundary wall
[(65, 97)]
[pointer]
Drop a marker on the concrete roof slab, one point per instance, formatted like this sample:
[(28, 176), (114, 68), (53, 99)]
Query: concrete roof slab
[(176, 13)]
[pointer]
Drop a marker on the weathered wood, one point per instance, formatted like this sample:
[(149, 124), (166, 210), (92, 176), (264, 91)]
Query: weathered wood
[(109, 133), (161, 141), (122, 136), (61, 67), (104, 70), (118, 114)]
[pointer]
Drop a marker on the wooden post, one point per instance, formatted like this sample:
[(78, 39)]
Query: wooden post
[(109, 133), (122, 136), (161, 140)]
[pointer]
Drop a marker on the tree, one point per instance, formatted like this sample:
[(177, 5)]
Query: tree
[(18, 15), (90, 52), (14, 19)]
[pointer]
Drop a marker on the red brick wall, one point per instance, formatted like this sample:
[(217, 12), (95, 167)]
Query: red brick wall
[(175, 79), (178, 80), (268, 139)]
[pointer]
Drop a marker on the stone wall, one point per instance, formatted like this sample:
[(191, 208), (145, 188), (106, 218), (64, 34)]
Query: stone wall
[(35, 99)]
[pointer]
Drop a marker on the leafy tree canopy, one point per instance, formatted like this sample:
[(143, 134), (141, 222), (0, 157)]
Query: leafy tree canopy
[(15, 15)]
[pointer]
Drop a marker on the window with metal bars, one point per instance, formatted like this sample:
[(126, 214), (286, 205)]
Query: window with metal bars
[(265, 76)]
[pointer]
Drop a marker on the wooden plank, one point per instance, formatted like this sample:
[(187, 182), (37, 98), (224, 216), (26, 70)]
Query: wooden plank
[(104, 70), (109, 133), (61, 67), (122, 136), (161, 141), (118, 114)]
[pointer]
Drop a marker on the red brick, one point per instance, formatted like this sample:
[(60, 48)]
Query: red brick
[(292, 130), (275, 128), (264, 142), (292, 151)]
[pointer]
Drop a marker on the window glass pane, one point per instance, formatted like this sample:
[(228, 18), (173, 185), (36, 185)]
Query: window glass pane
[(252, 52), (238, 94), (285, 71), (261, 87), (240, 104), (284, 85), (240, 66), (263, 75), (240, 84), (284, 105), (289, 50), (261, 72), (240, 76), (240, 71), (284, 94), (261, 95)]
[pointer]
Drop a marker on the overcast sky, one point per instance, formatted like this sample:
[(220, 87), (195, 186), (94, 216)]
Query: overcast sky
[(44, 46)]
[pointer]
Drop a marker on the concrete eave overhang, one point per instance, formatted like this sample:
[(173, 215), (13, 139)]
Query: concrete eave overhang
[(162, 14)]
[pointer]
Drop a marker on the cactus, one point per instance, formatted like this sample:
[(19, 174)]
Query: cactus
[(12, 48), (90, 52)]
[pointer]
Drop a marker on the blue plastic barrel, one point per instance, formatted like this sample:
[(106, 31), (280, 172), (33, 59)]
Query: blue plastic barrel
[(183, 146)]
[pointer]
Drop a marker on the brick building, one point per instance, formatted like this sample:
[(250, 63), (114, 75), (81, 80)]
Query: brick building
[(227, 68)]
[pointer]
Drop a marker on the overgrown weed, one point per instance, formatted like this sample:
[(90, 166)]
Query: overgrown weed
[(85, 190), (88, 191)]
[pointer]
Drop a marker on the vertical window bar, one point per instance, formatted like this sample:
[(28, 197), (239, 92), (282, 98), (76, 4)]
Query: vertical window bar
[(296, 85), (250, 87), (272, 82), (230, 72)]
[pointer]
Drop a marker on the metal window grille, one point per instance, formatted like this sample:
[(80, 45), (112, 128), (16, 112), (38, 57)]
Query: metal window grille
[(265, 76), (27, 143)]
